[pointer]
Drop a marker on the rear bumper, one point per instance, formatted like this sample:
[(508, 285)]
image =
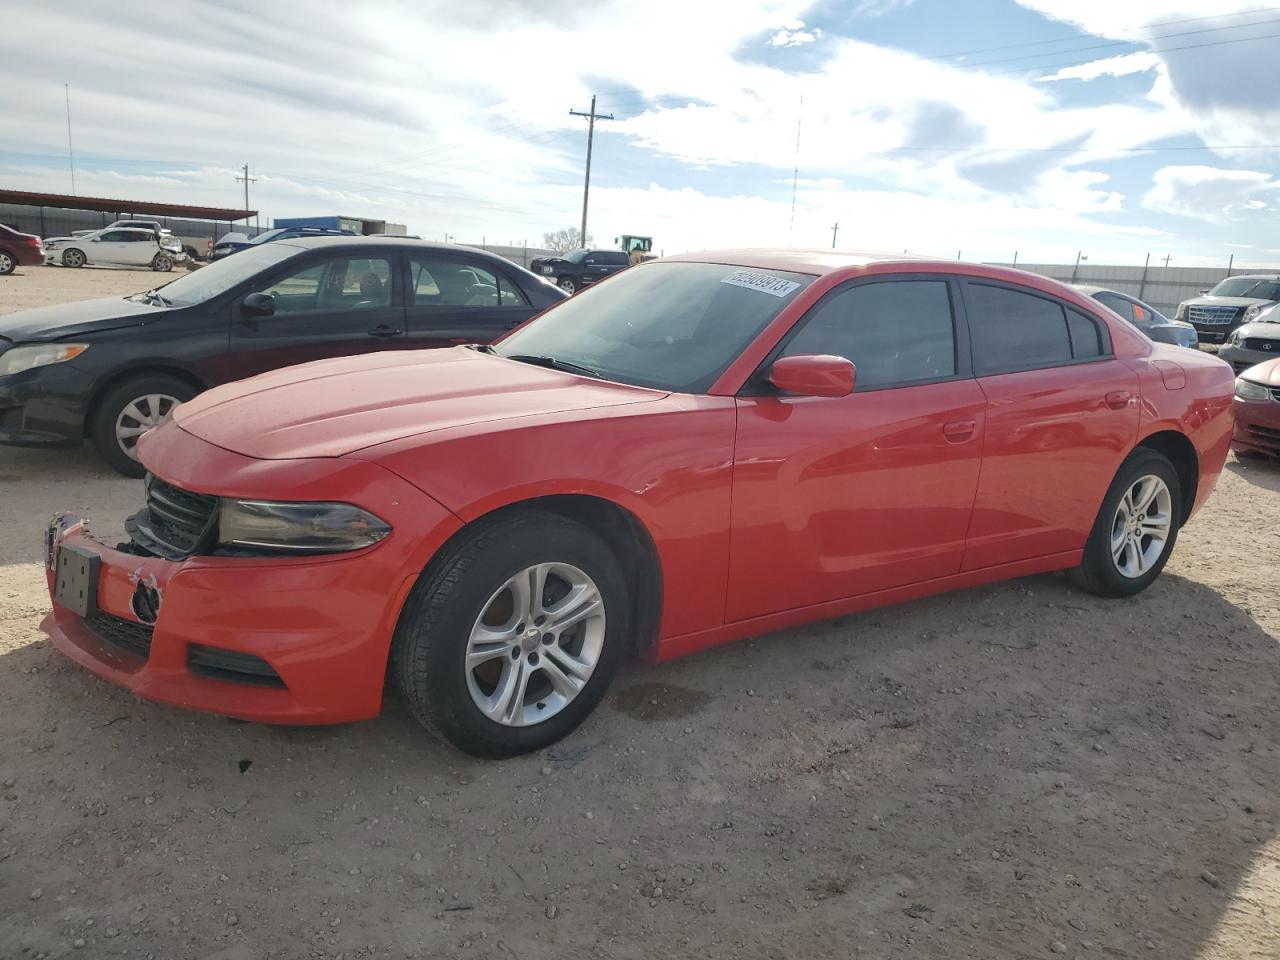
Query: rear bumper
[(25, 256)]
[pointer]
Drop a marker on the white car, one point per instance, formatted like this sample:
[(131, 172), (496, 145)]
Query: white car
[(129, 247)]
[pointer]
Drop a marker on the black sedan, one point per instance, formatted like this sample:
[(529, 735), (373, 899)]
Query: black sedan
[(111, 369), (1145, 317), (573, 271)]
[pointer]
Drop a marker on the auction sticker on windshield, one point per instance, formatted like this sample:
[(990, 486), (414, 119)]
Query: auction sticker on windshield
[(752, 280)]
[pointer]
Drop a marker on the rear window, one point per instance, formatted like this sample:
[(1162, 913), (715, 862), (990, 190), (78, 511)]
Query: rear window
[(1014, 330)]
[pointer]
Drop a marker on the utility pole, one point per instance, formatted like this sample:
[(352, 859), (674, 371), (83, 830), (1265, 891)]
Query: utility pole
[(71, 157), (247, 180), (592, 117), (1076, 269), (1167, 258), (835, 228)]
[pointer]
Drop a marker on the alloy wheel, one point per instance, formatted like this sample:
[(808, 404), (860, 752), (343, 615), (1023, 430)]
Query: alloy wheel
[(6, 264), (139, 416), (568, 286), (535, 644), (1141, 526), (73, 258)]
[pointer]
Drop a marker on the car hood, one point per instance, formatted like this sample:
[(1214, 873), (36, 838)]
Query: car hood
[(335, 407), (1267, 372), (1267, 330), (1208, 301), (71, 319)]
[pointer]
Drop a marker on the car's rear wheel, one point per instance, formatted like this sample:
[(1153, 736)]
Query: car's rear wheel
[(1136, 528), (7, 263), (162, 263), (73, 258), (127, 411), (568, 285), (513, 634)]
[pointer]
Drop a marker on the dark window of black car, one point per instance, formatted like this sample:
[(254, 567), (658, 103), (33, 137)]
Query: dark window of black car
[(894, 332)]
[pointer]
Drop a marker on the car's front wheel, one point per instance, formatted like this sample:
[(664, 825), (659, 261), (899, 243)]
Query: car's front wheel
[(568, 285), (127, 411), (73, 258), (1136, 528), (162, 263), (513, 633)]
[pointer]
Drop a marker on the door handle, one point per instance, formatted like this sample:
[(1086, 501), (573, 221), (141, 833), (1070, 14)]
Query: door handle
[(957, 431), (383, 331), (1119, 399)]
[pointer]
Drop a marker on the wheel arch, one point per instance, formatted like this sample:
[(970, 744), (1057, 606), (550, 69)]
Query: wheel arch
[(624, 533), (120, 376), (1181, 452)]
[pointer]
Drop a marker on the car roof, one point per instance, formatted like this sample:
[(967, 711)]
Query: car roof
[(1252, 276), (386, 240), (1091, 290)]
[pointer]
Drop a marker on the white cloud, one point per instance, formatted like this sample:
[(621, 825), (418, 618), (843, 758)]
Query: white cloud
[(1106, 67), (795, 37), (1211, 193)]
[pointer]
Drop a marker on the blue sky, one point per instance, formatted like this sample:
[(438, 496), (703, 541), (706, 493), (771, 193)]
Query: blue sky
[(984, 127)]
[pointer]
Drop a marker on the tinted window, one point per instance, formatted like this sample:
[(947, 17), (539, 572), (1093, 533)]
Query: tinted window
[(1086, 339), (1259, 289), (442, 282), (898, 332), (613, 257), (115, 236), (1016, 331), (345, 283), (1117, 303)]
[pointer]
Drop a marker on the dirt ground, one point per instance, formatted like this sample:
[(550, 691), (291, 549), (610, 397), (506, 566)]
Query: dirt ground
[(1017, 771)]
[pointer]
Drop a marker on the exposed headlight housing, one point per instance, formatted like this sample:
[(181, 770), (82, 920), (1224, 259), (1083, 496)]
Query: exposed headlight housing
[(266, 526), (1233, 338), (38, 355), (1248, 390)]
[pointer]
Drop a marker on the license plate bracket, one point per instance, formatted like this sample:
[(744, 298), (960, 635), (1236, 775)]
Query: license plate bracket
[(75, 579)]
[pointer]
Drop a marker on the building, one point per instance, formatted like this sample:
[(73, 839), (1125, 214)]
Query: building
[(58, 214)]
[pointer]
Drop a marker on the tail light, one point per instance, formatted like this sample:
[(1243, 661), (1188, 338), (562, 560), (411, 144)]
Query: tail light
[(209, 247), (31, 241)]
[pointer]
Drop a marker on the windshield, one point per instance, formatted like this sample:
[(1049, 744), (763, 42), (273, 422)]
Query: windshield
[(267, 235), (221, 275), (1263, 289), (674, 326)]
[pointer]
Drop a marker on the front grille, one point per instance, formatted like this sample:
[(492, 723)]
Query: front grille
[(1261, 343), (176, 522), (1212, 316), (231, 665), (125, 634)]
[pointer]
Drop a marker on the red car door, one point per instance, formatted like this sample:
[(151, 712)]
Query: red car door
[(836, 497), (1061, 415)]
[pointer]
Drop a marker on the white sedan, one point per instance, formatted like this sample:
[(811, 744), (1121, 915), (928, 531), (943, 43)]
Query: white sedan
[(116, 248)]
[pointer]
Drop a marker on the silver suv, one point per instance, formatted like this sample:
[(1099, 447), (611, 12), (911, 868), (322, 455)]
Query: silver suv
[(1234, 301)]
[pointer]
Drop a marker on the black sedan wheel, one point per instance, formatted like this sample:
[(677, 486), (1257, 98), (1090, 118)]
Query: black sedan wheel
[(568, 285)]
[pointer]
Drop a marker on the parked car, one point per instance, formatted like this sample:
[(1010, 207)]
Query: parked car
[(110, 369), (126, 247), (1254, 342), (193, 245), (230, 243), (1144, 316), (1232, 302), (575, 270), (18, 249), (1257, 408), (703, 448)]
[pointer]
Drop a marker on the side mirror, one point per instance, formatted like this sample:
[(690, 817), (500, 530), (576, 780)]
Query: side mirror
[(96, 240), (813, 376), (1204, 291), (258, 305)]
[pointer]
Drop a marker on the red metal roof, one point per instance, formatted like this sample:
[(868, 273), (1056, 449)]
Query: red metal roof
[(133, 207)]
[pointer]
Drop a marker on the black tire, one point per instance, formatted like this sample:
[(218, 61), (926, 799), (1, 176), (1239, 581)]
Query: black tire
[(429, 650), (8, 263), (108, 408), (1098, 571), (162, 263), (568, 285), (73, 258)]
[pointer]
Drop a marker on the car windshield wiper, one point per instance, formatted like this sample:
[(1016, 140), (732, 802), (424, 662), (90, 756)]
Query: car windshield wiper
[(554, 363)]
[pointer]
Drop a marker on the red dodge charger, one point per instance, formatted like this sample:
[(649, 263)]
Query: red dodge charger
[(692, 451)]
